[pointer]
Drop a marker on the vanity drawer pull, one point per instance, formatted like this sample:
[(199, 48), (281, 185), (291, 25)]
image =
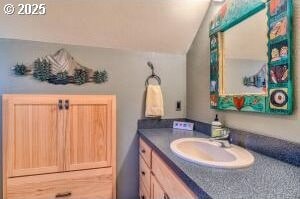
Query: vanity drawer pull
[(143, 173), (60, 104), (166, 196), (63, 195), (143, 151), (67, 104)]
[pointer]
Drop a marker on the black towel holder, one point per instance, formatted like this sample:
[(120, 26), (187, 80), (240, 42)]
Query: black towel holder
[(153, 75)]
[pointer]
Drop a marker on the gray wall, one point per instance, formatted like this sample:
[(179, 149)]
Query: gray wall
[(127, 71), (284, 127)]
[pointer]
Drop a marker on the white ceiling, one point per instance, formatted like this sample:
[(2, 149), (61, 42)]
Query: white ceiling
[(167, 26)]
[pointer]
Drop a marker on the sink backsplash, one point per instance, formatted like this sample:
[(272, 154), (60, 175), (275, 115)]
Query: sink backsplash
[(283, 150)]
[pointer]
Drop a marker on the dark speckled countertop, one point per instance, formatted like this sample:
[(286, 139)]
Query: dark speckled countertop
[(267, 178)]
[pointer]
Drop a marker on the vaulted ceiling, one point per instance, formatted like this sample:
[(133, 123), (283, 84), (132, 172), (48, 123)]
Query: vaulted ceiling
[(167, 26)]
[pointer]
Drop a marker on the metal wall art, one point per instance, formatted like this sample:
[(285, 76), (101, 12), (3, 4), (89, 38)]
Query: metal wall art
[(279, 91), (61, 68)]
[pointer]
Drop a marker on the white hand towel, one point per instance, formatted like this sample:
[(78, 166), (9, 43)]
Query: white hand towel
[(154, 101)]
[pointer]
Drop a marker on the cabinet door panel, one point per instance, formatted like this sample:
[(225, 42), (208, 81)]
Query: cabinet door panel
[(33, 130), (143, 193), (156, 191), (89, 133), (171, 183)]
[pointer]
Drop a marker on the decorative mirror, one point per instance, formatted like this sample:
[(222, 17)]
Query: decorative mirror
[(251, 57)]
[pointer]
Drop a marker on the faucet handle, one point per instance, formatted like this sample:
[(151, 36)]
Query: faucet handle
[(225, 132)]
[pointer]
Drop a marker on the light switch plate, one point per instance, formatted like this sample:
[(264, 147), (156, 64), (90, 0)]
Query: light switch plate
[(183, 125)]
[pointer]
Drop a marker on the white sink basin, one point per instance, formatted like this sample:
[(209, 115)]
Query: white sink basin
[(210, 153)]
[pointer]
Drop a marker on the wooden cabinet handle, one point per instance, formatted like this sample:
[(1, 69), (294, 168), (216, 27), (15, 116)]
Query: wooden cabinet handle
[(166, 196), (67, 104), (60, 104), (63, 195)]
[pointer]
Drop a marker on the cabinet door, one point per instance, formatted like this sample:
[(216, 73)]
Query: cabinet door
[(156, 191), (170, 182), (33, 137), (89, 132)]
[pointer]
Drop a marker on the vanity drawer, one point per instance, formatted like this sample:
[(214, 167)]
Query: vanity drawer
[(96, 184), (145, 174), (145, 152), (144, 194), (170, 182)]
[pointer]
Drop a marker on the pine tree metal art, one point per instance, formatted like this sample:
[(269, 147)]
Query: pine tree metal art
[(41, 70), (60, 68), (20, 69), (100, 76)]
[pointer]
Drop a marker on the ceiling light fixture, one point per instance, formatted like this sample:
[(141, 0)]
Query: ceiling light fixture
[(219, 1)]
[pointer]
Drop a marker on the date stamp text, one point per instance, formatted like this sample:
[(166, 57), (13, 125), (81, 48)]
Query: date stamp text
[(25, 9)]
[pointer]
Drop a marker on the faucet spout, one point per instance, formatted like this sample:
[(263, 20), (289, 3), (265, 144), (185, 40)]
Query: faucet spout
[(224, 139)]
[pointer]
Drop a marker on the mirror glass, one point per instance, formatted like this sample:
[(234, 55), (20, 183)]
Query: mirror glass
[(245, 48)]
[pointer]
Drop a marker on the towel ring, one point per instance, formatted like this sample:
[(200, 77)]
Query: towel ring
[(153, 75)]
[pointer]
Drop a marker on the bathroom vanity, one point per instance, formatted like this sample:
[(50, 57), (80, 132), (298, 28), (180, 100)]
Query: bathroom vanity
[(165, 175), (157, 180)]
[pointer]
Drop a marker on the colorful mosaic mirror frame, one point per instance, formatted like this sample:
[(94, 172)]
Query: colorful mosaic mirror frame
[(279, 98)]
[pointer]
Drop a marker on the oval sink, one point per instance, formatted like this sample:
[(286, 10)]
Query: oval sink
[(210, 153)]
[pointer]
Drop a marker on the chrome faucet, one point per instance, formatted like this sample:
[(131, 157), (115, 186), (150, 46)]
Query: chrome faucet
[(224, 139)]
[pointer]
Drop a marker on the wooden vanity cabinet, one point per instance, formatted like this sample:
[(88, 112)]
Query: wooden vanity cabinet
[(59, 146), (162, 183), (145, 153), (157, 191), (144, 170)]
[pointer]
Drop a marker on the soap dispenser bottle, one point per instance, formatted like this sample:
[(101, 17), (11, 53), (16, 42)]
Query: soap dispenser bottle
[(216, 127)]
